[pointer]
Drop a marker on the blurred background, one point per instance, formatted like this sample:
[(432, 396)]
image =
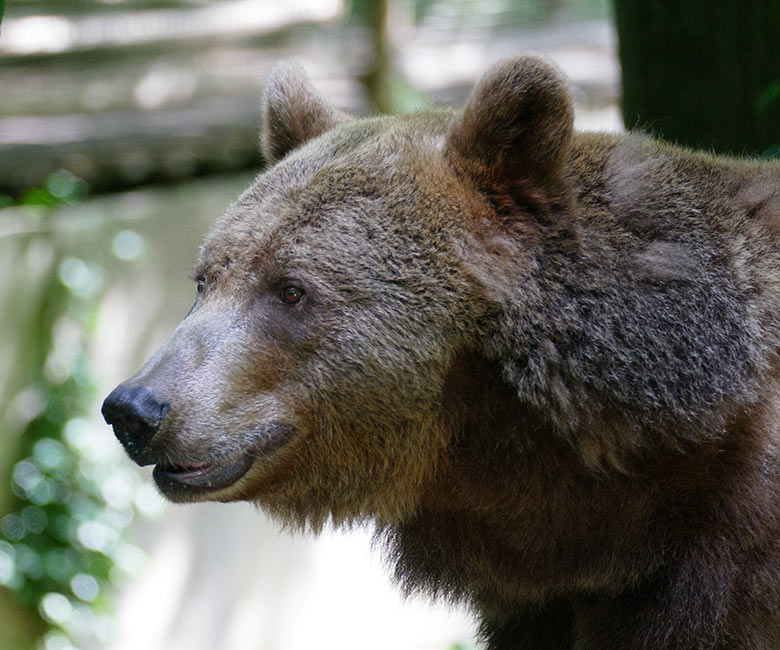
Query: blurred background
[(126, 127)]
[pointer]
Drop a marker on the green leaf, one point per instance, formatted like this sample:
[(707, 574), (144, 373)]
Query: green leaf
[(768, 96), (37, 196), (772, 152)]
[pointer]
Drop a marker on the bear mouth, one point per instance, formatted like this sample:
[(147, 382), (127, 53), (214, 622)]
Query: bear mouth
[(190, 480)]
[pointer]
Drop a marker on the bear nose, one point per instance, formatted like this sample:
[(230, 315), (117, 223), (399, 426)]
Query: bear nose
[(136, 417)]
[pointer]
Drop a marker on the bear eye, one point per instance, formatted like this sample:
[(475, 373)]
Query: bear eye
[(291, 295), (201, 286)]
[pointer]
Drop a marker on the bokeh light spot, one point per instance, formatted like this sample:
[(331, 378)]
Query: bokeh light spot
[(50, 453), (127, 245), (13, 527), (34, 519), (56, 608), (85, 587), (7, 563), (84, 279)]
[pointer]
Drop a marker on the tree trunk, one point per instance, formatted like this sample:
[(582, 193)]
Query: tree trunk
[(377, 79), (703, 74)]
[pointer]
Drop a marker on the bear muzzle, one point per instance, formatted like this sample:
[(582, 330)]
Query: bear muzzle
[(139, 422)]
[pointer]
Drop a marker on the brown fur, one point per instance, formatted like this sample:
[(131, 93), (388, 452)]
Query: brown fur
[(545, 364)]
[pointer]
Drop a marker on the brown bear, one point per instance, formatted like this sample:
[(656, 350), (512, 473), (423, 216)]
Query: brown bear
[(544, 364)]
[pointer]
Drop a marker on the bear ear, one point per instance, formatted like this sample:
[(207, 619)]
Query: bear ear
[(292, 112), (513, 136)]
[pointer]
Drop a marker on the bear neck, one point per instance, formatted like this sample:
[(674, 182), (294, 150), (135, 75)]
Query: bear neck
[(515, 514)]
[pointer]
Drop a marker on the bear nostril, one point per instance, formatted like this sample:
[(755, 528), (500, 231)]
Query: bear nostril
[(136, 417)]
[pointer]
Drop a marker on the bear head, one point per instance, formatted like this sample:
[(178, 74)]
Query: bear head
[(314, 372)]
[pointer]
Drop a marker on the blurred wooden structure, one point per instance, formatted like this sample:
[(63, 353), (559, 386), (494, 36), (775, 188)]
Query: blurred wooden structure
[(144, 91)]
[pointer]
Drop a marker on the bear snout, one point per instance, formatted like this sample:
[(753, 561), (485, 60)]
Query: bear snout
[(136, 417)]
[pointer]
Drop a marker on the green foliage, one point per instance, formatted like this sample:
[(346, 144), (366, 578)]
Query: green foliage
[(61, 187), (61, 544), (771, 152), (511, 12), (769, 96), (363, 11)]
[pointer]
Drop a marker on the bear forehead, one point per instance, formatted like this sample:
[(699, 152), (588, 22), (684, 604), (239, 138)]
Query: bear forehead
[(356, 182)]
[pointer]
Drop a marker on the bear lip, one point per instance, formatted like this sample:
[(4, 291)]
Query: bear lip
[(187, 480), (180, 480)]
